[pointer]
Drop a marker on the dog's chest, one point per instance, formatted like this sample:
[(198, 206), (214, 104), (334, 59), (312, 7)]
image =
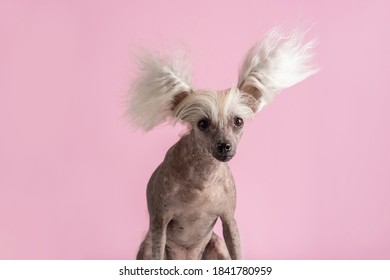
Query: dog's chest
[(204, 199), (195, 215)]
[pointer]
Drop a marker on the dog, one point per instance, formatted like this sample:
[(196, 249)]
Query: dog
[(194, 186)]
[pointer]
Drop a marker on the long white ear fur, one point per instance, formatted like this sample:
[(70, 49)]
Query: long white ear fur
[(160, 81), (280, 60)]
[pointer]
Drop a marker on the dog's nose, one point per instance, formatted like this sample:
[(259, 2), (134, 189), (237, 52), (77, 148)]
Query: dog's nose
[(224, 147)]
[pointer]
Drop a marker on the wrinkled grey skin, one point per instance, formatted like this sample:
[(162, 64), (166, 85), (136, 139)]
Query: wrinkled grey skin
[(186, 195)]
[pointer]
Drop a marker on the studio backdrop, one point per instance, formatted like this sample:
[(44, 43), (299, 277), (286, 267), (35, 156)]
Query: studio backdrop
[(312, 170)]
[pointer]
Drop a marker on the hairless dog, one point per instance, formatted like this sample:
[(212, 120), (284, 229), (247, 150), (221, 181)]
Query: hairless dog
[(194, 186)]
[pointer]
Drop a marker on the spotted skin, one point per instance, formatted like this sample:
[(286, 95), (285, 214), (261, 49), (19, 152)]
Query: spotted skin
[(186, 195)]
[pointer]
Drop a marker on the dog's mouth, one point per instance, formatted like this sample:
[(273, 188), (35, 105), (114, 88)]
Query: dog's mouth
[(223, 158)]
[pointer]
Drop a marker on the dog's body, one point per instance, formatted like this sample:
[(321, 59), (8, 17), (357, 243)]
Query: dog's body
[(186, 210), (193, 186)]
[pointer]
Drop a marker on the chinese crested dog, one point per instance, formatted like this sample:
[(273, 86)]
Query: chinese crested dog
[(194, 186)]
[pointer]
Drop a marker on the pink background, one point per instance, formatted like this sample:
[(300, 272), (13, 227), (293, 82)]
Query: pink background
[(312, 170)]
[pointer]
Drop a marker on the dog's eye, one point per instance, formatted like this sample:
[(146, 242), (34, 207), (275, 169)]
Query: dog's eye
[(238, 121), (204, 124)]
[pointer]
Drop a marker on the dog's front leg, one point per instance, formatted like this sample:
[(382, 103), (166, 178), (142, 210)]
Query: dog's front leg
[(159, 236), (231, 236)]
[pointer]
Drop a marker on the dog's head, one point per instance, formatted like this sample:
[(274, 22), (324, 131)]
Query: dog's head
[(163, 91), (217, 119)]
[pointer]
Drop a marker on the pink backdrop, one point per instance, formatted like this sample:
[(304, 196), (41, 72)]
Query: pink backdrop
[(312, 170)]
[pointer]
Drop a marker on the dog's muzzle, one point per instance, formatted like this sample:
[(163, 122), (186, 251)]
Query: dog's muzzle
[(223, 152)]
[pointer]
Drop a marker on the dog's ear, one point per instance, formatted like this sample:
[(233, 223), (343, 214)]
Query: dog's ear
[(162, 83), (280, 60)]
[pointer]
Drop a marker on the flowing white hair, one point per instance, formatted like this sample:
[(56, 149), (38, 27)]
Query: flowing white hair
[(280, 60), (162, 82)]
